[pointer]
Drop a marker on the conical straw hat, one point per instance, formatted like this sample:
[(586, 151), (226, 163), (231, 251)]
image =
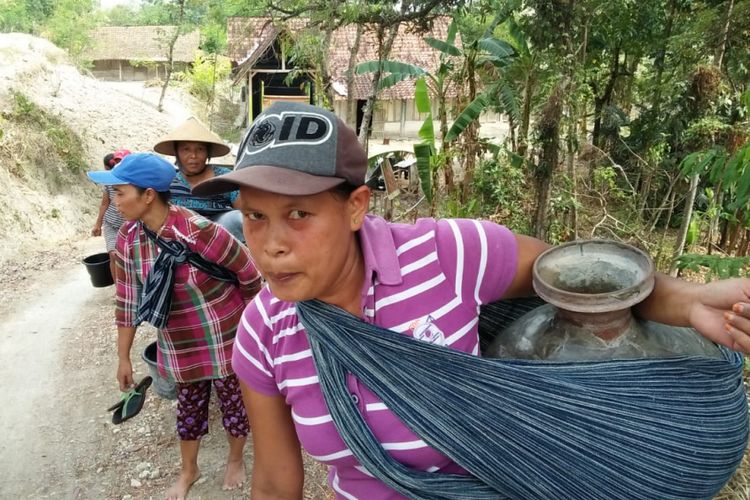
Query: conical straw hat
[(191, 130)]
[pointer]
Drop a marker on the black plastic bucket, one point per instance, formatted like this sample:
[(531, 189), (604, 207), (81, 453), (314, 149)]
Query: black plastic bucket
[(97, 266), (163, 387)]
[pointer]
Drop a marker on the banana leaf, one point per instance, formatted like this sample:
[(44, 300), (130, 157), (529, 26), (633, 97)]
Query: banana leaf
[(444, 47), (468, 115), (509, 99), (496, 47), (422, 96), (389, 67), (423, 153)]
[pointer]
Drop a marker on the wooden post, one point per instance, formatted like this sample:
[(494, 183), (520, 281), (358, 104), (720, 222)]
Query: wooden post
[(391, 186)]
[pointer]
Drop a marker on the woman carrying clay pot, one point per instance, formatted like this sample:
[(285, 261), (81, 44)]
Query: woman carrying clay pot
[(362, 347), (193, 145)]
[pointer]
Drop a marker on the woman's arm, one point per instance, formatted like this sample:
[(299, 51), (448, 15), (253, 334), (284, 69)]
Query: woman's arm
[(125, 335), (214, 243), (97, 230), (718, 310), (277, 460), (528, 250)]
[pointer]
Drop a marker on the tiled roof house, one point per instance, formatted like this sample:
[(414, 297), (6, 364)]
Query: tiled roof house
[(138, 52), (251, 40)]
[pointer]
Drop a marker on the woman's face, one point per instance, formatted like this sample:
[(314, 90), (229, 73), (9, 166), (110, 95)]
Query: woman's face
[(304, 246), (192, 157), (131, 203)]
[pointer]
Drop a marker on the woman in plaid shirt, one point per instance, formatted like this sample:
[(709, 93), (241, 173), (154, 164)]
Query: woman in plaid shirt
[(196, 338)]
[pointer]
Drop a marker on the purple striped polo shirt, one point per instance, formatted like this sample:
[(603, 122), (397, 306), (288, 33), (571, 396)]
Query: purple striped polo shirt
[(426, 280)]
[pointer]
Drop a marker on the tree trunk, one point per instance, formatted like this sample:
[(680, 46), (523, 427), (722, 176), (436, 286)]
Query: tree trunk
[(523, 131), (742, 251), (713, 224), (626, 101), (606, 97), (470, 136), (571, 168), (384, 49), (444, 147), (687, 214), (170, 53), (659, 59), (721, 49), (351, 102), (549, 139), (327, 91)]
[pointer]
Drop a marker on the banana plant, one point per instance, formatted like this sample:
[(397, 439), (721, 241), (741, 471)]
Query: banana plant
[(436, 84)]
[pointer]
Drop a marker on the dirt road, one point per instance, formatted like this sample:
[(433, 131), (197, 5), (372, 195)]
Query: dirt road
[(57, 345)]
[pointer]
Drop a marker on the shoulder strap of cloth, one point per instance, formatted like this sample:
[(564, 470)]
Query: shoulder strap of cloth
[(667, 428), (156, 298)]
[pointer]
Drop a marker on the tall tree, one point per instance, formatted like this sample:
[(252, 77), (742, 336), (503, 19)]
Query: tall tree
[(174, 36)]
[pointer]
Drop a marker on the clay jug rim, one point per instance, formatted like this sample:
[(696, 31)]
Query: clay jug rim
[(602, 249)]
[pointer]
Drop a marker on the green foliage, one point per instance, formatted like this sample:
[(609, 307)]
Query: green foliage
[(714, 266), (467, 116), (560, 204), (425, 151), (65, 22), (66, 143), (69, 24), (501, 191), (204, 75), (704, 131), (24, 15)]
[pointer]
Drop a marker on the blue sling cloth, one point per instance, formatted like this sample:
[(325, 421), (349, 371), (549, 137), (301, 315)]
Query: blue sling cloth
[(663, 428), (156, 297)]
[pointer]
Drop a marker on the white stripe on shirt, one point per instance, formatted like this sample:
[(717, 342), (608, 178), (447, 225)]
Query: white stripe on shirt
[(404, 445), (482, 260), (298, 382), (257, 364), (289, 311), (333, 456), (419, 264), (287, 332), (411, 292), (311, 421), (459, 256), (256, 339), (337, 488), (263, 314), (461, 332), (376, 407), (292, 357), (437, 314), (415, 242)]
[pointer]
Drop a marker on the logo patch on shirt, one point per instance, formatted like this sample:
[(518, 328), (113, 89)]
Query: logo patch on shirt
[(427, 331)]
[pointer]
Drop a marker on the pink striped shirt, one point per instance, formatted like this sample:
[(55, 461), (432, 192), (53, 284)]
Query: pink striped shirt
[(426, 280)]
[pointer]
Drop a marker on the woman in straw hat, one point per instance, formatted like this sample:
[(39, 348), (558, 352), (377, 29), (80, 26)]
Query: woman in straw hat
[(193, 144)]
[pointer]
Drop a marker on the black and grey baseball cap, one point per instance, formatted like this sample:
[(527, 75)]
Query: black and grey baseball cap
[(294, 149)]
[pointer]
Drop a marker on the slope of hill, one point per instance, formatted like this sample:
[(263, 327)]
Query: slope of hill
[(55, 124)]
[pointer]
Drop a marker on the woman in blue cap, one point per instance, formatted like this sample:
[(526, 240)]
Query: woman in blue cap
[(190, 279)]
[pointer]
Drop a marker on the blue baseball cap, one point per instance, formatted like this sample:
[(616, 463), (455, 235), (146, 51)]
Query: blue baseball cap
[(145, 170)]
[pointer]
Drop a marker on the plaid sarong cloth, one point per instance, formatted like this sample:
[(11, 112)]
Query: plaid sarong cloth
[(156, 300)]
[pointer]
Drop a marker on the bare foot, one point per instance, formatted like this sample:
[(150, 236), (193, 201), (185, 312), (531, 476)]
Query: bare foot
[(179, 490), (235, 475)]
